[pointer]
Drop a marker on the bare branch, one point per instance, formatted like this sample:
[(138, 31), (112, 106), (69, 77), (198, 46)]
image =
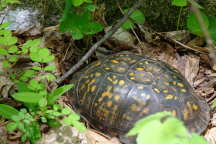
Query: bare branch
[(97, 44)]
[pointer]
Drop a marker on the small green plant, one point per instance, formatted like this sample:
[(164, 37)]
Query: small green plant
[(192, 22), (163, 128), (31, 89), (4, 3), (137, 17), (78, 20)]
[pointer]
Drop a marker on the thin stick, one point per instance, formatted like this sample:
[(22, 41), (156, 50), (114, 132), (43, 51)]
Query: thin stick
[(97, 44), (211, 46)]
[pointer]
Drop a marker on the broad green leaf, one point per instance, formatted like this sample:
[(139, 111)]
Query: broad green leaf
[(13, 58), (77, 2), (66, 111), (50, 77), (34, 85), (212, 27), (138, 17), (53, 123), (42, 102), (50, 68), (13, 49), (34, 57), (179, 2), (58, 92), (27, 74), (5, 33), (22, 86), (127, 25), (7, 111), (4, 25), (196, 139), (197, 5), (6, 64), (170, 131), (78, 125), (3, 51), (37, 68), (93, 27), (7, 41), (91, 7), (77, 34), (74, 117), (11, 126), (48, 59), (139, 124), (27, 97), (193, 24)]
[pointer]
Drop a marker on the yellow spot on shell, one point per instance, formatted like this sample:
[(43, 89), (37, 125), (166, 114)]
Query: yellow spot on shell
[(183, 90), (107, 68), (114, 61), (131, 74), (174, 82), (169, 96), (121, 82), (195, 107), (109, 103), (117, 98), (180, 84), (165, 91), (93, 88), (174, 113), (156, 90), (110, 79), (132, 78), (186, 114), (120, 69), (106, 94), (97, 74), (140, 69), (166, 83), (146, 62), (146, 110), (133, 107), (141, 87)]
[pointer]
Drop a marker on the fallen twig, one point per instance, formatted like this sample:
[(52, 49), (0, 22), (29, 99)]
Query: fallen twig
[(97, 44), (209, 41)]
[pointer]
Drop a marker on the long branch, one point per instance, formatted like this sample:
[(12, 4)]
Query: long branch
[(97, 44)]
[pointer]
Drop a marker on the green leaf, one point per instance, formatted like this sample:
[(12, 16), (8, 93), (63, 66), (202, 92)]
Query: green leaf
[(77, 34), (179, 2), (13, 49), (196, 139), (166, 129), (4, 25), (34, 85), (3, 51), (93, 27), (11, 126), (32, 45), (27, 97), (197, 5), (78, 125), (77, 2), (212, 27), (7, 111), (74, 117), (21, 86), (66, 111), (27, 74), (57, 93), (50, 77), (6, 64), (50, 68), (42, 102), (53, 123), (37, 68), (13, 58), (7, 41), (91, 7), (127, 25), (138, 17), (193, 24)]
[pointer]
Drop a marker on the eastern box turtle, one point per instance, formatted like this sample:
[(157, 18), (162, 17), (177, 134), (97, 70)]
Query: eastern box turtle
[(124, 87)]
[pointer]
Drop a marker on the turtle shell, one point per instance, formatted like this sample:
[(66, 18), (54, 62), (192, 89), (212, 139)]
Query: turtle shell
[(122, 88)]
